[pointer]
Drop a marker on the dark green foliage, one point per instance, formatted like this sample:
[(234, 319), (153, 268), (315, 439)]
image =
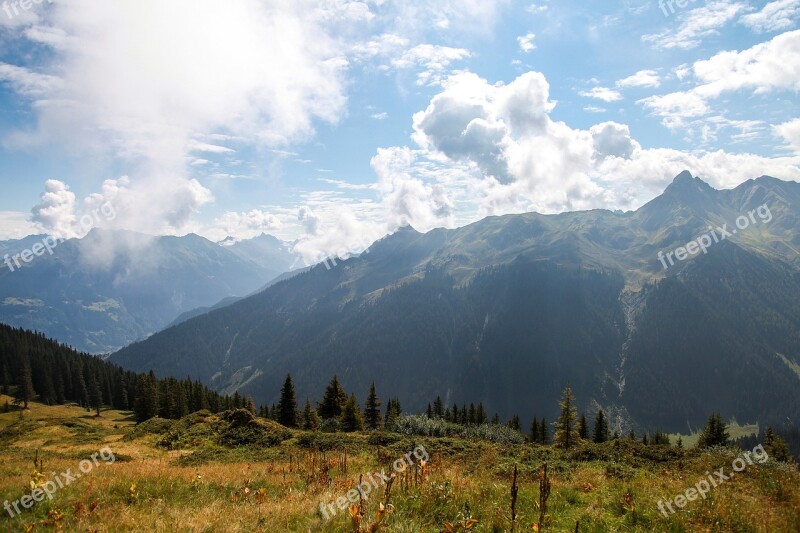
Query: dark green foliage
[(287, 406), (715, 433), (535, 435), (310, 417), (372, 411), (351, 416), (333, 400), (600, 428), (660, 438), (583, 429), (544, 432), (513, 423), (775, 446), (393, 410), (95, 394), (25, 392)]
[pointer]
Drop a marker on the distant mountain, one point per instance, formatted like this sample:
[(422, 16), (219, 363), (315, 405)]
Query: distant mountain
[(511, 309), (111, 288), (268, 252)]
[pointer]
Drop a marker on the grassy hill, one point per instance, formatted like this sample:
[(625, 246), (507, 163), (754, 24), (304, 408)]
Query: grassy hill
[(230, 472)]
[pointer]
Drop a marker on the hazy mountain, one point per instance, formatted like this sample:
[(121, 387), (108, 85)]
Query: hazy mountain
[(110, 288), (511, 309)]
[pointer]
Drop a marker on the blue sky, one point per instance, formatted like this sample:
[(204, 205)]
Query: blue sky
[(331, 123)]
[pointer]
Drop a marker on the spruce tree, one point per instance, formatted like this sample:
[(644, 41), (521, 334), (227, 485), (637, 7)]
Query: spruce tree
[(310, 417), (535, 435), (95, 394), (566, 435), (333, 400), (6, 381), (351, 416), (24, 392), (496, 419), (146, 402), (429, 411), (775, 446), (600, 427), (287, 406), (513, 423), (715, 433), (438, 408), (372, 412), (393, 410), (250, 404), (480, 414), (544, 432), (583, 429)]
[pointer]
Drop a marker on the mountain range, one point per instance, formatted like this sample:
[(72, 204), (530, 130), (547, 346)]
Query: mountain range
[(511, 309), (110, 288)]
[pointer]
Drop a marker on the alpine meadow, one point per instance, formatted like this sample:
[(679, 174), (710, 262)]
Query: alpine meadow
[(399, 266)]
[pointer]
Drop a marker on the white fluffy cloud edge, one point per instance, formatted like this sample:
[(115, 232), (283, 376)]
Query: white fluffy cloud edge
[(479, 148)]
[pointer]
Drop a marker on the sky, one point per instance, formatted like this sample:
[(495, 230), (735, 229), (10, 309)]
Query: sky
[(331, 123)]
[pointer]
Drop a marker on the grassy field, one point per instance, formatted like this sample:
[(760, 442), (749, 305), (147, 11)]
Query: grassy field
[(208, 474)]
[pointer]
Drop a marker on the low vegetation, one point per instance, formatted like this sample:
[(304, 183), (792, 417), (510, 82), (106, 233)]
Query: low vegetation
[(233, 471)]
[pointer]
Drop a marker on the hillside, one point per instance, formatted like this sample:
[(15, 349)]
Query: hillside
[(511, 309), (111, 288)]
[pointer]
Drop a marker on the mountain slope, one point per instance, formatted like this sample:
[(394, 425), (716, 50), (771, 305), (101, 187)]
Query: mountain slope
[(511, 309), (111, 287)]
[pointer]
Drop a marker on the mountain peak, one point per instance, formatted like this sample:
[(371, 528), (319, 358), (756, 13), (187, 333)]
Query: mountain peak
[(684, 183)]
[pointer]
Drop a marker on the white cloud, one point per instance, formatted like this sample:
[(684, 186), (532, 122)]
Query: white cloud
[(526, 43), (602, 93), (433, 60), (769, 66), (55, 212), (643, 78), (790, 132), (697, 24), (246, 225), (775, 16)]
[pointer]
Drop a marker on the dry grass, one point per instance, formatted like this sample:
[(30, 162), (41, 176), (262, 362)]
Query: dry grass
[(281, 488)]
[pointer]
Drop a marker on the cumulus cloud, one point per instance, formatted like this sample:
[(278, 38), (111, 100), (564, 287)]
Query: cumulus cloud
[(261, 71), (492, 148), (55, 212), (247, 224), (775, 16), (790, 132)]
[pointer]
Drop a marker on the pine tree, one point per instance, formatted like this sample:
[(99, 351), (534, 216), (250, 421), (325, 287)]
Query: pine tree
[(480, 414), (645, 440), (372, 412), (775, 446), (583, 429), (566, 435), (535, 434), (351, 416), (472, 414), (287, 406), (715, 433), (250, 404), (310, 417), (25, 392), (429, 411), (544, 433), (679, 444), (333, 400), (146, 402), (496, 419), (600, 428), (514, 423), (393, 410), (95, 394), (6, 389), (438, 408)]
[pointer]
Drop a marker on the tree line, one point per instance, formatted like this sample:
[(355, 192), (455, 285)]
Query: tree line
[(33, 367)]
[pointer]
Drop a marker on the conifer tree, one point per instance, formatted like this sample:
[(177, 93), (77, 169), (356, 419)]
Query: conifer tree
[(372, 412), (480, 414), (775, 446), (496, 419), (513, 423), (535, 434), (566, 435), (438, 408), (600, 427), (583, 430), (393, 410), (146, 403), (24, 392), (287, 406), (544, 432), (310, 417), (715, 433), (351, 416), (95, 395), (333, 400), (250, 404), (429, 411), (645, 440), (6, 389)]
